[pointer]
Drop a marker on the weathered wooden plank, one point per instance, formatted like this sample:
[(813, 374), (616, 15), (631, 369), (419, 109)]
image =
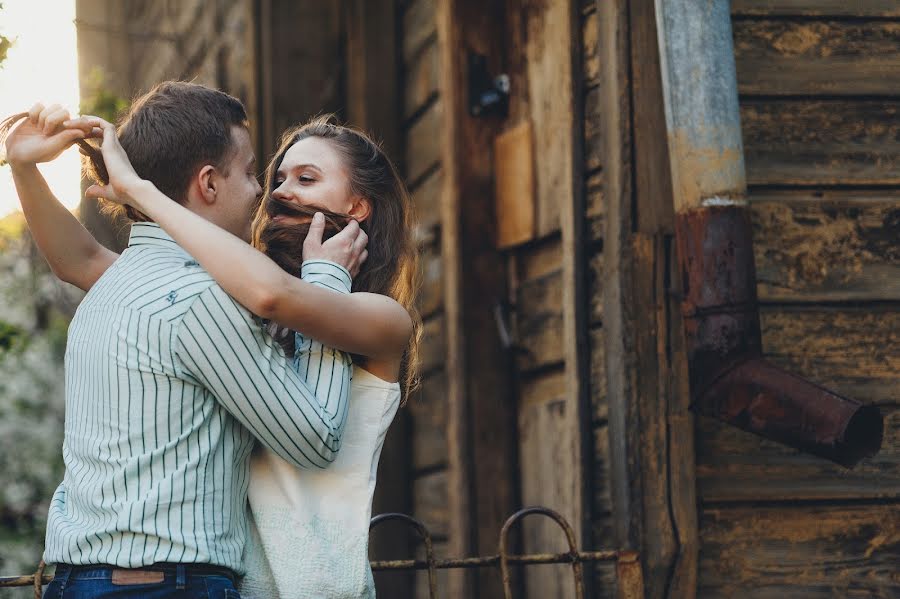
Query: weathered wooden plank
[(602, 500), (430, 502), (428, 409), (481, 490), (821, 142), (854, 351), (733, 465), (424, 141), (539, 259), (802, 552), (548, 65), (590, 46), (593, 102), (422, 80), (431, 295), (594, 205), (539, 322), (433, 352), (426, 198), (816, 8), (514, 185), (419, 26), (546, 458), (810, 57), (596, 281), (599, 403), (826, 246)]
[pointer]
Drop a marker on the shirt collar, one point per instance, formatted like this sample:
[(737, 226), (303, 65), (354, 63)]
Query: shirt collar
[(152, 234)]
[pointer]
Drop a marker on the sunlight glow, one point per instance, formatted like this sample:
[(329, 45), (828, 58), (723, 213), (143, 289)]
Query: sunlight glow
[(42, 66)]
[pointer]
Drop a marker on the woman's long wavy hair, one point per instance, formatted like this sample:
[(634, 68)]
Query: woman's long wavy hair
[(391, 268)]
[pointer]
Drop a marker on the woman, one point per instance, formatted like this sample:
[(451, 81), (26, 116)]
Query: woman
[(312, 527)]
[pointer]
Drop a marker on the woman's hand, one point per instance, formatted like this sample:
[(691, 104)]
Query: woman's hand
[(41, 136), (123, 179)]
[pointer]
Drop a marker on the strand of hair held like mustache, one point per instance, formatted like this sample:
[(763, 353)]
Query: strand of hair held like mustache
[(95, 158)]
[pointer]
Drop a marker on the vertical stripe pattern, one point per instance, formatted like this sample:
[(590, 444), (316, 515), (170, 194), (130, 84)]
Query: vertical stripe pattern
[(169, 383)]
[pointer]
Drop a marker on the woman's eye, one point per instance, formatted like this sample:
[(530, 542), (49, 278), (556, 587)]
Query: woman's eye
[(306, 179), (278, 182)]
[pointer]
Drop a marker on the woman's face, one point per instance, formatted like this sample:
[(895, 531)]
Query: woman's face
[(313, 174)]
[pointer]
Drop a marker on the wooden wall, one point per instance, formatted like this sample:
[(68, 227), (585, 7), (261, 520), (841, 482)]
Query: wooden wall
[(819, 84), (423, 140)]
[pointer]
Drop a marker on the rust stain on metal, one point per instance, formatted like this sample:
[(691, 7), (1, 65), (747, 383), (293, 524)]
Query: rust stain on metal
[(729, 378)]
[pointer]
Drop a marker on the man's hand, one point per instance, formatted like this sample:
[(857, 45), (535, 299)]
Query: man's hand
[(41, 137), (347, 248)]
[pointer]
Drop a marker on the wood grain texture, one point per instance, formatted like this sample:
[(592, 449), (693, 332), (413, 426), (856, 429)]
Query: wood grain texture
[(514, 185), (539, 322), (434, 345), (733, 465), (430, 502), (426, 198), (826, 246), (481, 416), (853, 351), (816, 8), (428, 410), (422, 79), (547, 461), (821, 142), (424, 141), (815, 57), (431, 295), (599, 400), (803, 552), (419, 26)]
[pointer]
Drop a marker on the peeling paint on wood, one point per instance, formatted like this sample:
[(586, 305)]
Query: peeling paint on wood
[(809, 57), (821, 142)]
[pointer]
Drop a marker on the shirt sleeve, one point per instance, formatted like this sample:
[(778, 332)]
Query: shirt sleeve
[(324, 369), (222, 346)]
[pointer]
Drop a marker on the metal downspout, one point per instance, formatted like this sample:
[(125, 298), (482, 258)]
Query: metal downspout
[(729, 379)]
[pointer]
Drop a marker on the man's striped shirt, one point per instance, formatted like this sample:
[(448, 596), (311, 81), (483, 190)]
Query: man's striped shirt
[(168, 381)]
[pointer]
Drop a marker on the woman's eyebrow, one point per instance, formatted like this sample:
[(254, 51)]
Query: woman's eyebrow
[(298, 167)]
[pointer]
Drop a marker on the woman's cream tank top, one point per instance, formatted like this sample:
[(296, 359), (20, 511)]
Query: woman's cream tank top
[(309, 530)]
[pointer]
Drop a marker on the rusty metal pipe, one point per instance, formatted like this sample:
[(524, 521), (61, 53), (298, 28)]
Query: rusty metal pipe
[(729, 379)]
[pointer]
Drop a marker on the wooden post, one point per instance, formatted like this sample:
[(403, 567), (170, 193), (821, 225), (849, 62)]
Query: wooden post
[(650, 428), (481, 410)]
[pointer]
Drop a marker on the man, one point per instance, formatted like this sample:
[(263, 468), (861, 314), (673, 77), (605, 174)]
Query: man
[(168, 379)]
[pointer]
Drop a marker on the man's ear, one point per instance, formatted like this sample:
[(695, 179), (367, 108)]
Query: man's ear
[(361, 209), (206, 181)]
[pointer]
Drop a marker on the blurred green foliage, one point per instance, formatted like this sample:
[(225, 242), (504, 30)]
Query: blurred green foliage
[(99, 101)]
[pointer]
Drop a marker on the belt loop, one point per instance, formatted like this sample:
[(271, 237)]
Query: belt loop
[(180, 577), (63, 571)]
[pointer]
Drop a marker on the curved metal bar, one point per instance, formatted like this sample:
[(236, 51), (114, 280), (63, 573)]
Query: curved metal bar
[(426, 536), (577, 568)]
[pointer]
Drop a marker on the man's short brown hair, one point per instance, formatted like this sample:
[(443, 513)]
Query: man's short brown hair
[(176, 128)]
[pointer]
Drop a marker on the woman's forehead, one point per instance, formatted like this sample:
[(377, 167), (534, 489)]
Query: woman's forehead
[(312, 150)]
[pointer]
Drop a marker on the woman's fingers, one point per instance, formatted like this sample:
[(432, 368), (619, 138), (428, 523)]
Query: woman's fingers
[(54, 120), (46, 112), (35, 112), (316, 230)]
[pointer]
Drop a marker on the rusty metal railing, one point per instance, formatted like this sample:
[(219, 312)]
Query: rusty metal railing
[(628, 566)]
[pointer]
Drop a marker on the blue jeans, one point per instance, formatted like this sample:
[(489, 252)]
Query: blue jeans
[(177, 583)]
